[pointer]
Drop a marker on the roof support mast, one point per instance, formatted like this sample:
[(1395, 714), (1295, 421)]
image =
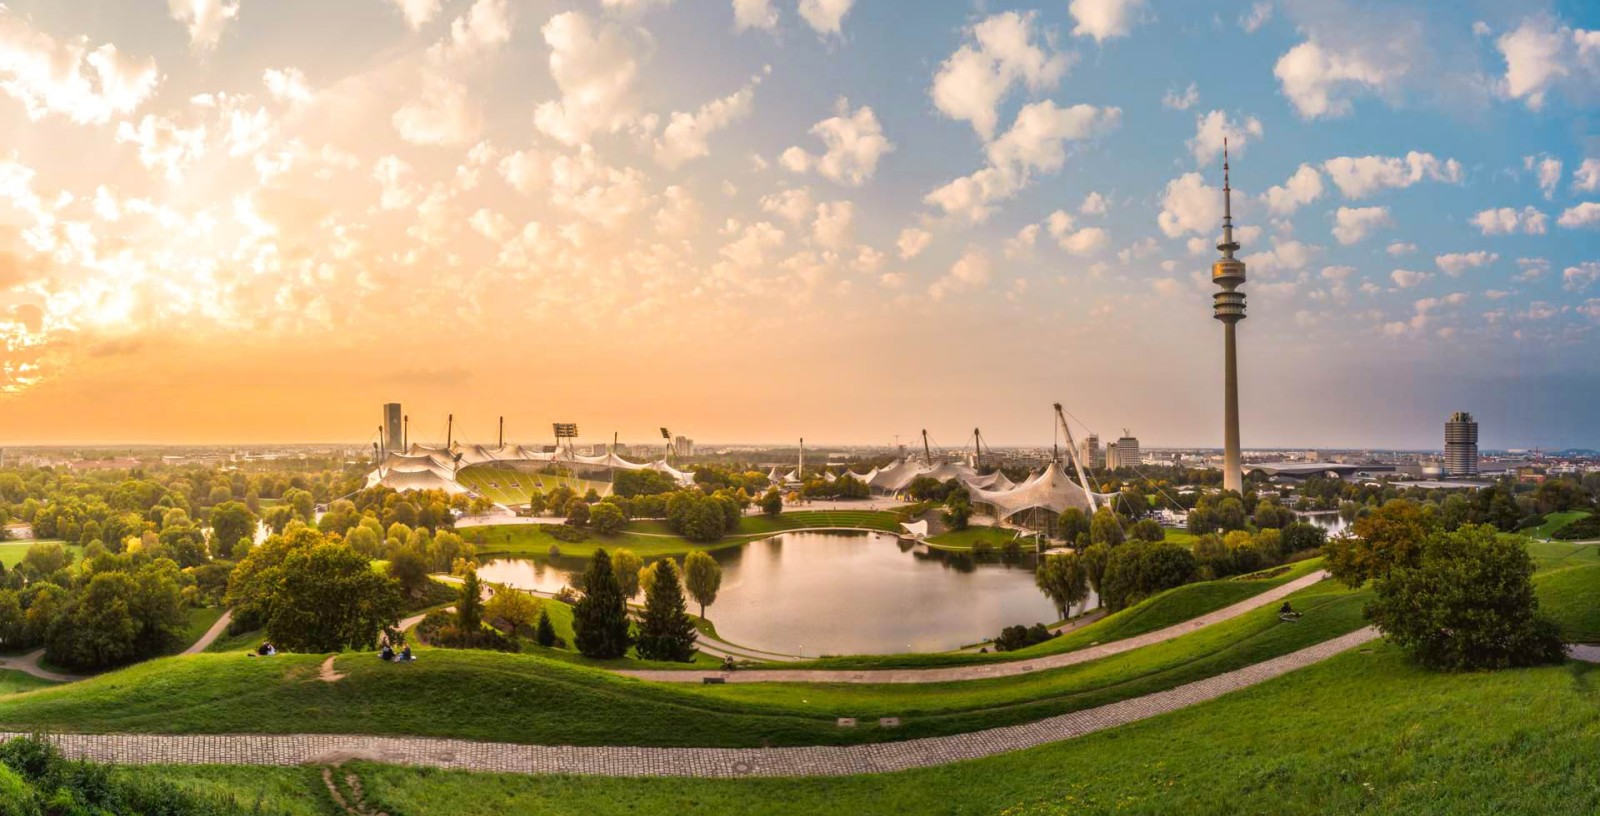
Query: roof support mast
[(1077, 461), (927, 450)]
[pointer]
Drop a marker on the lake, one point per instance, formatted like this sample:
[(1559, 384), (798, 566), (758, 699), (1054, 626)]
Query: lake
[(842, 593)]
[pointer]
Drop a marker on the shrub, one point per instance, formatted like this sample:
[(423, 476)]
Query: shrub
[(1467, 604), (562, 532), (1017, 637), (607, 519), (1584, 528), (443, 630)]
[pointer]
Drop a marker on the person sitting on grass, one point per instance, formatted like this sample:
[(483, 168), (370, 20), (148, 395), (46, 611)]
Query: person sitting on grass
[(727, 663), (405, 653), (387, 652), (1287, 613)]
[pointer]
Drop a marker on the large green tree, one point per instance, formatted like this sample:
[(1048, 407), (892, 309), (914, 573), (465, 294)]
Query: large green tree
[(600, 617), (702, 577), (326, 598), (1063, 579), (1467, 603), (232, 525), (119, 617), (665, 631), (469, 608), (1380, 541), (626, 565)]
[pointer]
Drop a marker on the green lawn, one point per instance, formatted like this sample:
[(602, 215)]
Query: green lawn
[(1572, 597), (1364, 732), (968, 538), (200, 620), (508, 485), (15, 682), (1549, 555), (1554, 522), (11, 552)]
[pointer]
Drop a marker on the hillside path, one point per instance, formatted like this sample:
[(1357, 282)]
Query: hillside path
[(211, 634)]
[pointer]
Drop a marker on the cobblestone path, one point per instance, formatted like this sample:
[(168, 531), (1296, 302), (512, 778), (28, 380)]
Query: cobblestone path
[(298, 749)]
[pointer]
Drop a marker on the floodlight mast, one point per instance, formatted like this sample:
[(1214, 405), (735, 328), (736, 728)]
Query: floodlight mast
[(1077, 461), (927, 450), (405, 433)]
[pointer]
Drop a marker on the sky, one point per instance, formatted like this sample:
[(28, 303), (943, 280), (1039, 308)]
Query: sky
[(759, 220)]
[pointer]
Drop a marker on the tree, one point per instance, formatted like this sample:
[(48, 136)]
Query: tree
[(957, 510), (702, 575), (1147, 530), (232, 524), (577, 512), (1467, 603), (1302, 536), (1139, 569), (536, 503), (1105, 528), (409, 567), (44, 559), (1063, 579), (517, 610), (119, 617), (626, 565), (326, 598), (1386, 538), (772, 502), (545, 633), (607, 519), (665, 631), (469, 609), (1095, 558), (600, 618), (1072, 523)]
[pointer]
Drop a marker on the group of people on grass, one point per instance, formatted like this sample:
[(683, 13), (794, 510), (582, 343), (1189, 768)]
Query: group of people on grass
[(388, 652)]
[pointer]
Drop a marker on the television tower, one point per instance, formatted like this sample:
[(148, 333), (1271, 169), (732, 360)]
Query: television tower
[(1228, 307)]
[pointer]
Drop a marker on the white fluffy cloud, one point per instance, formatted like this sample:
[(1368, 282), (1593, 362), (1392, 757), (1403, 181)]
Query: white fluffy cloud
[(1211, 129), (1256, 16), (1073, 239), (594, 65), (1586, 177), (834, 227), (971, 83), (754, 14), (1036, 143), (1542, 54), (444, 112), (1093, 204), (1360, 177), (1548, 170), (205, 19), (1189, 205), (67, 78), (794, 206), (418, 12), (1353, 224), (1302, 188), (1185, 100), (1104, 19), (1586, 214), (686, 134), (826, 16), (1455, 263), (1580, 277), (1320, 78), (854, 141), (1406, 278), (912, 242), (971, 271), (1508, 220)]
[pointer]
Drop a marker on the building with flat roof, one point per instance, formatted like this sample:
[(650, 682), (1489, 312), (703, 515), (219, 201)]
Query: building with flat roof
[(393, 427), (1461, 445)]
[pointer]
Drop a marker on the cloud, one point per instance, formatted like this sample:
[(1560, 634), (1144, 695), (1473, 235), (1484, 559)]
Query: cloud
[(834, 227), (1255, 17), (1406, 279), (1364, 176), (1578, 278), (1211, 129), (1093, 204), (1586, 177), (1549, 172), (1455, 263), (1320, 79), (1302, 188), (1189, 205), (417, 13), (794, 205), (1542, 55), (444, 112), (754, 14), (67, 78), (971, 83), (1286, 254), (632, 6), (205, 19), (1036, 142), (912, 242), (164, 145), (1507, 221), (594, 65), (1105, 19), (286, 85), (971, 271), (1399, 248), (1586, 214), (686, 134), (1181, 101), (1353, 224), (854, 141), (1085, 241), (825, 16)]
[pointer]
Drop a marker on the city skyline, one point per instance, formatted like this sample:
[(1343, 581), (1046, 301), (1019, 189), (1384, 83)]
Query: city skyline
[(220, 223)]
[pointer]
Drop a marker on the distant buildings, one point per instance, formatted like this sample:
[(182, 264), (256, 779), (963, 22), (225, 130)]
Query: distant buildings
[(1461, 445), (393, 427), (1090, 454), (1123, 453), (683, 446)]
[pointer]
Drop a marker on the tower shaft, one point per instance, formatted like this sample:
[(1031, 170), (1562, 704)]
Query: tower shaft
[(1228, 305)]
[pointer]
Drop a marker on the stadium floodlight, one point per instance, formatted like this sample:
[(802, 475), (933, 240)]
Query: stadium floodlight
[(665, 434), (566, 430)]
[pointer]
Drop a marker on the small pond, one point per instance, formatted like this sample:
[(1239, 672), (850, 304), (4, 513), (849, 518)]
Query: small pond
[(842, 593)]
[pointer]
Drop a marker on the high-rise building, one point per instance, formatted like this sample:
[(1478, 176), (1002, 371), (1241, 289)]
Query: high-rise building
[(1089, 452), (393, 420), (1461, 445), (1123, 453), (1228, 307), (683, 446)]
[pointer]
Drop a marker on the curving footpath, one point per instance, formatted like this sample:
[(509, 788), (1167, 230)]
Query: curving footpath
[(463, 755), (987, 670)]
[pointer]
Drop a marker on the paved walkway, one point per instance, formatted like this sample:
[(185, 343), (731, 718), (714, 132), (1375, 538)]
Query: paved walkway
[(29, 664), (1587, 652), (298, 749), (986, 670), (211, 634)]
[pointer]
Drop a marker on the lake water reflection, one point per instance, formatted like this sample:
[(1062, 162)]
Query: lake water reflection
[(839, 593)]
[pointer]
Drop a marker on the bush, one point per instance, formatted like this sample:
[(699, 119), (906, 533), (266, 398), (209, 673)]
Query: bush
[(440, 629), (1017, 637), (1136, 570), (35, 779), (562, 532), (1467, 604), (607, 519), (1584, 528)]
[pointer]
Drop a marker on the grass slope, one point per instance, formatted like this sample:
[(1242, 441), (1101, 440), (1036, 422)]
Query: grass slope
[(11, 552), (1553, 522), (1572, 597), (1514, 742)]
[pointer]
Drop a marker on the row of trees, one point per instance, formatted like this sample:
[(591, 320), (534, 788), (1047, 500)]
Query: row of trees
[(600, 621)]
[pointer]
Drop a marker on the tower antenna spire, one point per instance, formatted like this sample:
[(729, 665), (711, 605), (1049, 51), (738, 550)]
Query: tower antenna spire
[(1227, 246)]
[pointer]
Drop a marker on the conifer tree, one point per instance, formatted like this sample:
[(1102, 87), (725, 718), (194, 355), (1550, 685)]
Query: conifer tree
[(665, 632), (600, 618)]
